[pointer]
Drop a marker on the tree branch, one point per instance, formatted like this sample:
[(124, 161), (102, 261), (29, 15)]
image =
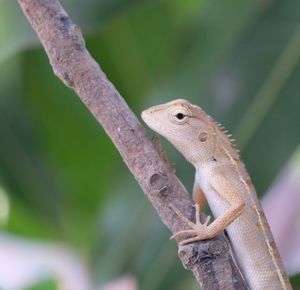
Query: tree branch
[(210, 261)]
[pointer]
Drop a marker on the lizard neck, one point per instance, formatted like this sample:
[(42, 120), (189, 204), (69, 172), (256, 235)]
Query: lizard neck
[(205, 167)]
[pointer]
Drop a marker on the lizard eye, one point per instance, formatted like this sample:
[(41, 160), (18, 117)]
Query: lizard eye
[(179, 116)]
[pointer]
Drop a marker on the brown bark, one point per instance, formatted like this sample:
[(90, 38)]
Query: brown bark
[(210, 261)]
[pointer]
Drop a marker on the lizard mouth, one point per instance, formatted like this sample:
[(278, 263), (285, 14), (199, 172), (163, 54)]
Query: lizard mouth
[(144, 116), (147, 116), (161, 129)]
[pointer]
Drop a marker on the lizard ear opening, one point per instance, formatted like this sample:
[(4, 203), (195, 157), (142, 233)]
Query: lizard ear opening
[(203, 136), (179, 116)]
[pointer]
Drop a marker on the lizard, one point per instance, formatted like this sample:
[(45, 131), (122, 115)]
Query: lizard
[(221, 178)]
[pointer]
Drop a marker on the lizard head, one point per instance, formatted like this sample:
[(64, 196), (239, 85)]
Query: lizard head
[(186, 126)]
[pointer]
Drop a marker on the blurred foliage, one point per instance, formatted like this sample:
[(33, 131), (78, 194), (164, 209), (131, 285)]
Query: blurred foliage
[(239, 60), (44, 285)]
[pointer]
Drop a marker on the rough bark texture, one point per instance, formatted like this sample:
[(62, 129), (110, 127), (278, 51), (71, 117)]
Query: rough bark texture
[(210, 261)]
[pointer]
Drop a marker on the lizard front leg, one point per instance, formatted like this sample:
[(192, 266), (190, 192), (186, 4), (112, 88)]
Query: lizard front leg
[(204, 231), (198, 195)]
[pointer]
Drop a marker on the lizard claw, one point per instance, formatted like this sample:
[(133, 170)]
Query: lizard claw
[(198, 230), (207, 220), (185, 232)]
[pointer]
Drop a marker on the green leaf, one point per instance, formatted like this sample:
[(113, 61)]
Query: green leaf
[(44, 285)]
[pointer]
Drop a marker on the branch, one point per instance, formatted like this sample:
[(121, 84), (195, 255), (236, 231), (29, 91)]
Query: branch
[(210, 261)]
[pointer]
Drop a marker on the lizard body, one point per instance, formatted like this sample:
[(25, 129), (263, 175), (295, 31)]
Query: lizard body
[(222, 178)]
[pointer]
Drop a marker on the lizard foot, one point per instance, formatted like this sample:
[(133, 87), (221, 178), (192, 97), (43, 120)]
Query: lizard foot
[(199, 230)]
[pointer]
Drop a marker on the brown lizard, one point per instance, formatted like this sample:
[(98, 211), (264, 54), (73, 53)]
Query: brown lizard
[(221, 178)]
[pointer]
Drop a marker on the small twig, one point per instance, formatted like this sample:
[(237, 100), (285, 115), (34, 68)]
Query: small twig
[(210, 260)]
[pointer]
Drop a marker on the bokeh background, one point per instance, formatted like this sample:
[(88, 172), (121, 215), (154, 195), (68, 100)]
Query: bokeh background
[(70, 212)]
